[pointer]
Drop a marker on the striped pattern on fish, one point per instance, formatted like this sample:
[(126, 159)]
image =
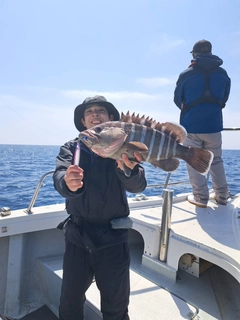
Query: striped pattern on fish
[(151, 137), (158, 143)]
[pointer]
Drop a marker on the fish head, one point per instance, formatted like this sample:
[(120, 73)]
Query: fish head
[(103, 139)]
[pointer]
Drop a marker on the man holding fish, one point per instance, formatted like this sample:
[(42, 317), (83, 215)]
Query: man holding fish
[(96, 230)]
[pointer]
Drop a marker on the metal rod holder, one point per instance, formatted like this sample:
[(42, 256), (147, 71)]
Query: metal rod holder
[(166, 223)]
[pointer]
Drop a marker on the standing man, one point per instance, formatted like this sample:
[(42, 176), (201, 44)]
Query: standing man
[(201, 92), (94, 189)]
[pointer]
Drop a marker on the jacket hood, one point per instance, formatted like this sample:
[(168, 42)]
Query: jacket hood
[(207, 61)]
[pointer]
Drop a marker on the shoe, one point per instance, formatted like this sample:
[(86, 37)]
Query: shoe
[(219, 200), (191, 199)]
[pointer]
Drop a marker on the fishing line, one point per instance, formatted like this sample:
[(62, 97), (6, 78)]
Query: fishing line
[(35, 125)]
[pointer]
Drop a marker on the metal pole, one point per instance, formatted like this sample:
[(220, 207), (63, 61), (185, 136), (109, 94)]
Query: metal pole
[(167, 181), (166, 222)]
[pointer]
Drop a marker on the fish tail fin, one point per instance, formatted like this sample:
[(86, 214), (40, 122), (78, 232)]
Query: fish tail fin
[(198, 159)]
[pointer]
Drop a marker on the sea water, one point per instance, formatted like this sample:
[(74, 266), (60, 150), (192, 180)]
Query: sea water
[(22, 167)]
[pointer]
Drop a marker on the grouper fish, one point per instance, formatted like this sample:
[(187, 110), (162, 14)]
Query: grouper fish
[(158, 143)]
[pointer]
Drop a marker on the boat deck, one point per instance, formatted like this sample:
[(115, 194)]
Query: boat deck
[(147, 299), (212, 233)]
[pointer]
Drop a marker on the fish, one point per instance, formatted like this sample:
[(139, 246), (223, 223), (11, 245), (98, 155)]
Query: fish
[(159, 144)]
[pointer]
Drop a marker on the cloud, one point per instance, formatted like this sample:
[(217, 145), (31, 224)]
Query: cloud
[(126, 100), (28, 121), (118, 98), (110, 95)]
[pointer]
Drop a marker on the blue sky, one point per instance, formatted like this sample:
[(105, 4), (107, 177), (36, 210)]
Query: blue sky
[(55, 53)]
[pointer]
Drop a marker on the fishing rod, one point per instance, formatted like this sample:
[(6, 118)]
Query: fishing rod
[(231, 129)]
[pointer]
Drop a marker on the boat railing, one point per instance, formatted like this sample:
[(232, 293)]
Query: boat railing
[(34, 197), (167, 198), (231, 129)]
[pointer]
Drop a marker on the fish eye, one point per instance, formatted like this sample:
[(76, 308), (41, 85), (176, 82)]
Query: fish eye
[(98, 129)]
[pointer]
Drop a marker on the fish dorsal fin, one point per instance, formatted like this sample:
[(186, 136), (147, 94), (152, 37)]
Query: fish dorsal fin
[(137, 119), (176, 131), (125, 118)]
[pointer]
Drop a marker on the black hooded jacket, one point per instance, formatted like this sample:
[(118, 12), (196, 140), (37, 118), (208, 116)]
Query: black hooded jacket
[(101, 199)]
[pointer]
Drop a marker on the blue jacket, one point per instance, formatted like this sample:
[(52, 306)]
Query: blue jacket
[(204, 117)]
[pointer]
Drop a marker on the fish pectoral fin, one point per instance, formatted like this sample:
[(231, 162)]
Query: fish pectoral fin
[(138, 146), (126, 170), (168, 165)]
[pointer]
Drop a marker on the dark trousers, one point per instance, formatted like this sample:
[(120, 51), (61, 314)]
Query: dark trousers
[(110, 266)]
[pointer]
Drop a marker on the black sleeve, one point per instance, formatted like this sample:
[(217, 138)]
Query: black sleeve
[(136, 182)]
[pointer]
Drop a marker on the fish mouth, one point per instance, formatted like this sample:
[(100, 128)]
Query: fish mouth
[(89, 138)]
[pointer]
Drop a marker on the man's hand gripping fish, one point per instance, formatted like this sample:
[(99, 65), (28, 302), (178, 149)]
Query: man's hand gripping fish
[(158, 143)]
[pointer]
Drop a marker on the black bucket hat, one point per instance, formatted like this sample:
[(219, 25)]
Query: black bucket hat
[(202, 46), (100, 100)]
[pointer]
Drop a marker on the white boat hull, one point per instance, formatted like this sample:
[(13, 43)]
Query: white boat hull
[(31, 250)]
